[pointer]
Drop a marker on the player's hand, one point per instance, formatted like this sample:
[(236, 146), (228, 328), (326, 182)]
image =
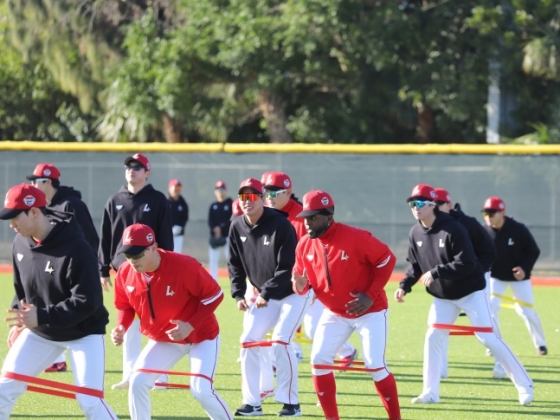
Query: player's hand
[(242, 305), (180, 331), (399, 295), (518, 273), (217, 232), (300, 281), (359, 305), (26, 317), (261, 302), (106, 283), (117, 335), (426, 279), (14, 334)]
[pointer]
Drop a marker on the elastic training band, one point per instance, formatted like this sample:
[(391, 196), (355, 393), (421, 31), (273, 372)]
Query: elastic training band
[(250, 344), (169, 372), (519, 302), (53, 384), (353, 369), (461, 329)]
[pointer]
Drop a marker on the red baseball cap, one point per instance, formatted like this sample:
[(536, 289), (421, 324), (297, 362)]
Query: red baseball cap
[(264, 176), (236, 208), (442, 196), (252, 183), (220, 184), (494, 203), (174, 183), (136, 238), (44, 170), (140, 158), (317, 202), (20, 198), (276, 181), (422, 192)]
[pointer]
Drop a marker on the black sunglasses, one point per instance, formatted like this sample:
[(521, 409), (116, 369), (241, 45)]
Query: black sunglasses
[(133, 167)]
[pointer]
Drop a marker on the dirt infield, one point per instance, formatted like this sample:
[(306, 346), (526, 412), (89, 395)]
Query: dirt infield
[(549, 281)]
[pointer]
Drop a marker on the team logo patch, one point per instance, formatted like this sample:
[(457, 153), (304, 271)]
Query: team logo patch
[(19, 257), (344, 256), (47, 172), (146, 208), (169, 292), (419, 243), (128, 239), (48, 268), (150, 237), (130, 288), (441, 244), (266, 241), (510, 242), (325, 201), (286, 183), (29, 200)]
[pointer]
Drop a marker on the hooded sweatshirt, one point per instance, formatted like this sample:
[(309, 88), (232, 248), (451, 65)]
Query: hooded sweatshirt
[(446, 251), (59, 277), (264, 252)]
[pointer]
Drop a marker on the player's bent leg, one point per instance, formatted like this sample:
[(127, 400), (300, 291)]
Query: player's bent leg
[(523, 292), (203, 361), (132, 346)]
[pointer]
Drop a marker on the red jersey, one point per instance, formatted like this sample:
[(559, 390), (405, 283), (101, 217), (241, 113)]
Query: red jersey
[(346, 260), (180, 289), (293, 208)]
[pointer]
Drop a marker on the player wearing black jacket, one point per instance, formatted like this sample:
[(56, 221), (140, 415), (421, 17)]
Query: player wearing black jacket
[(517, 253), (441, 257), (219, 219), (262, 247), (179, 213), (58, 303)]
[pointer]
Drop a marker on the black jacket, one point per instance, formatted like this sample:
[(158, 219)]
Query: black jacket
[(482, 243), (515, 246), (219, 214), (59, 277), (179, 212), (265, 253), (69, 200), (148, 206), (446, 251)]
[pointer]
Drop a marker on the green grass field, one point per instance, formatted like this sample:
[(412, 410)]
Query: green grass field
[(469, 393)]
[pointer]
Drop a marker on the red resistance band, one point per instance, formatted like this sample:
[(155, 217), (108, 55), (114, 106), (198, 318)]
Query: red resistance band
[(250, 344), (461, 329), (169, 372), (353, 369), (53, 384)]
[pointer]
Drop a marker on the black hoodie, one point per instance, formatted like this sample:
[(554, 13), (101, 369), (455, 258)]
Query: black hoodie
[(69, 200), (59, 277), (265, 253), (446, 251)]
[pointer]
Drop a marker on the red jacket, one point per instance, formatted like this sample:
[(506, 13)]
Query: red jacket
[(180, 289), (293, 208), (357, 262)]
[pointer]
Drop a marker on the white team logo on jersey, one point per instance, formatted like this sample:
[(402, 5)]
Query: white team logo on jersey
[(309, 257), (19, 257), (130, 288), (243, 238), (510, 242), (419, 243), (48, 268), (266, 241), (146, 208), (180, 208), (441, 244), (344, 256), (169, 292), (119, 207)]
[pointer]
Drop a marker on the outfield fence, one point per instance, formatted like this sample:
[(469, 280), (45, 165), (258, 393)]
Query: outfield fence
[(369, 184)]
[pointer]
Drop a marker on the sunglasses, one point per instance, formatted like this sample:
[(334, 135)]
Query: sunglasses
[(39, 180), (419, 204), (273, 194), (134, 257), (135, 168), (489, 213), (251, 197)]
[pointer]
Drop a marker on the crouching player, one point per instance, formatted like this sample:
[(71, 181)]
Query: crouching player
[(175, 299), (348, 269)]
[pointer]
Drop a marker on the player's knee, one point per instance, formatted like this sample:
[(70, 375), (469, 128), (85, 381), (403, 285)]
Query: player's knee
[(379, 375), (434, 335), (201, 389), (88, 404)]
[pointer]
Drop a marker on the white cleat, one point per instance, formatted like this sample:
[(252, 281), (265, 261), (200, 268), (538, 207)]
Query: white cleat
[(526, 394), (121, 385), (424, 399), (498, 372)]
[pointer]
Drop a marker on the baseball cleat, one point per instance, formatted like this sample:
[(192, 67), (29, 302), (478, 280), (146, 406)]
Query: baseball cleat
[(347, 361), (526, 394), (424, 399), (498, 372), (249, 410), (121, 385), (57, 367), (290, 410), (543, 351)]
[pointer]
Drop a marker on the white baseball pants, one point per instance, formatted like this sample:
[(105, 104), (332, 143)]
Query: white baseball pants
[(214, 258), (30, 355), (203, 358), (178, 243)]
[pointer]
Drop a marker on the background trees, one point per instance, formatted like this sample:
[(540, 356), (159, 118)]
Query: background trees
[(341, 71)]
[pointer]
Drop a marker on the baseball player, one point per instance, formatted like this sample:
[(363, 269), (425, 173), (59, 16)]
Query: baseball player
[(46, 177), (58, 303), (348, 269), (179, 213), (483, 248), (175, 299), (262, 248), (517, 253), (219, 219), (441, 257), (137, 202)]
